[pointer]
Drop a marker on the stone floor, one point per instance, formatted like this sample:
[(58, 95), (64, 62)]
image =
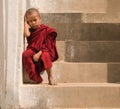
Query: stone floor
[(85, 108)]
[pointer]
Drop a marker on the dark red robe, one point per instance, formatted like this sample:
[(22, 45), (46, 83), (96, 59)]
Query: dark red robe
[(44, 39)]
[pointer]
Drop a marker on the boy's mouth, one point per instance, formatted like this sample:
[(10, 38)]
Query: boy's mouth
[(35, 26)]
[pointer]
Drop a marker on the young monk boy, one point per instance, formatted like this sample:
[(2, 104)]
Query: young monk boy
[(41, 50)]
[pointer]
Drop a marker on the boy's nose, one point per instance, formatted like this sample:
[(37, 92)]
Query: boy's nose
[(33, 22)]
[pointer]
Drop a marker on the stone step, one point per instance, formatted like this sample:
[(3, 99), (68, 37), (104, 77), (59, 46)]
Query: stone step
[(88, 51), (101, 18), (61, 47), (85, 108), (87, 31), (67, 108), (60, 18), (77, 26), (0, 101), (65, 72), (79, 72), (85, 71), (92, 51), (73, 95), (99, 32)]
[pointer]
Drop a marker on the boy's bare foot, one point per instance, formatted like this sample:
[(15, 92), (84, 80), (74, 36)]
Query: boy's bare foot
[(33, 82), (52, 81), (50, 77)]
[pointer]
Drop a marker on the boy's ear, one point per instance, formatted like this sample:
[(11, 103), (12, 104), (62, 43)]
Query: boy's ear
[(39, 15)]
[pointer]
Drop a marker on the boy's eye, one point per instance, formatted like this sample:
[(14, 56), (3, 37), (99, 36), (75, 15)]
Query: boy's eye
[(35, 19)]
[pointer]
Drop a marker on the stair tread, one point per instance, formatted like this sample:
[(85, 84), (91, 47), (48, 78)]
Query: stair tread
[(72, 95), (61, 61), (85, 108), (75, 85)]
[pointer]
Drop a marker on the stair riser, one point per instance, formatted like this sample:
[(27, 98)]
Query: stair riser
[(76, 72), (70, 26), (82, 72), (87, 32), (61, 50), (89, 51), (92, 51), (79, 97)]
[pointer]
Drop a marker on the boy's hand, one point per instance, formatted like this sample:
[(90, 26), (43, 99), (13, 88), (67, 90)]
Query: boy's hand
[(26, 28), (25, 23), (37, 56)]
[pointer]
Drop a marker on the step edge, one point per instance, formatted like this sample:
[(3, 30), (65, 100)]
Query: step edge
[(74, 85)]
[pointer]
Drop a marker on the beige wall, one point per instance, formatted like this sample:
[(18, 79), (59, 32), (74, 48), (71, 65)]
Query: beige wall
[(69, 6), (14, 51), (11, 43), (2, 84)]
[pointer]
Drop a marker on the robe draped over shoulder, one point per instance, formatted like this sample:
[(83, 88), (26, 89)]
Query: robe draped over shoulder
[(44, 39)]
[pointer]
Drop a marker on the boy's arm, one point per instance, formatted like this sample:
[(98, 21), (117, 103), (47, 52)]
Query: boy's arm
[(37, 56), (26, 28)]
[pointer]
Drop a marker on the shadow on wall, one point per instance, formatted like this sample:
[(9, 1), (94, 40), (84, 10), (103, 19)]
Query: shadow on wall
[(114, 73), (41, 104)]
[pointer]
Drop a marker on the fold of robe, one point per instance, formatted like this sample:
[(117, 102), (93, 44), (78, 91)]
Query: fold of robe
[(44, 39)]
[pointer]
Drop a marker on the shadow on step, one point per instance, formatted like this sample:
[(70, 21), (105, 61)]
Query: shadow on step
[(114, 73)]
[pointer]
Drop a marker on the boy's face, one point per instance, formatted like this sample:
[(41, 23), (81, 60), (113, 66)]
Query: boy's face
[(34, 20)]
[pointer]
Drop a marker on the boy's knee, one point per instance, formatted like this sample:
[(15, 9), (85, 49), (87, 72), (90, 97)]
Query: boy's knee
[(45, 55), (27, 53)]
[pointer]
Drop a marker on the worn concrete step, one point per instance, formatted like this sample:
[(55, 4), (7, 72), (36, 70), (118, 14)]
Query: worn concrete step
[(88, 51), (109, 17), (92, 51), (60, 18), (85, 108), (79, 72), (65, 72), (0, 94), (61, 47), (86, 71), (99, 32), (77, 26), (0, 101), (67, 108), (66, 24), (87, 31), (73, 95)]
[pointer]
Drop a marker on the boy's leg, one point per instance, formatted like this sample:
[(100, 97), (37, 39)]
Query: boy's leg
[(48, 67), (29, 66), (50, 77)]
